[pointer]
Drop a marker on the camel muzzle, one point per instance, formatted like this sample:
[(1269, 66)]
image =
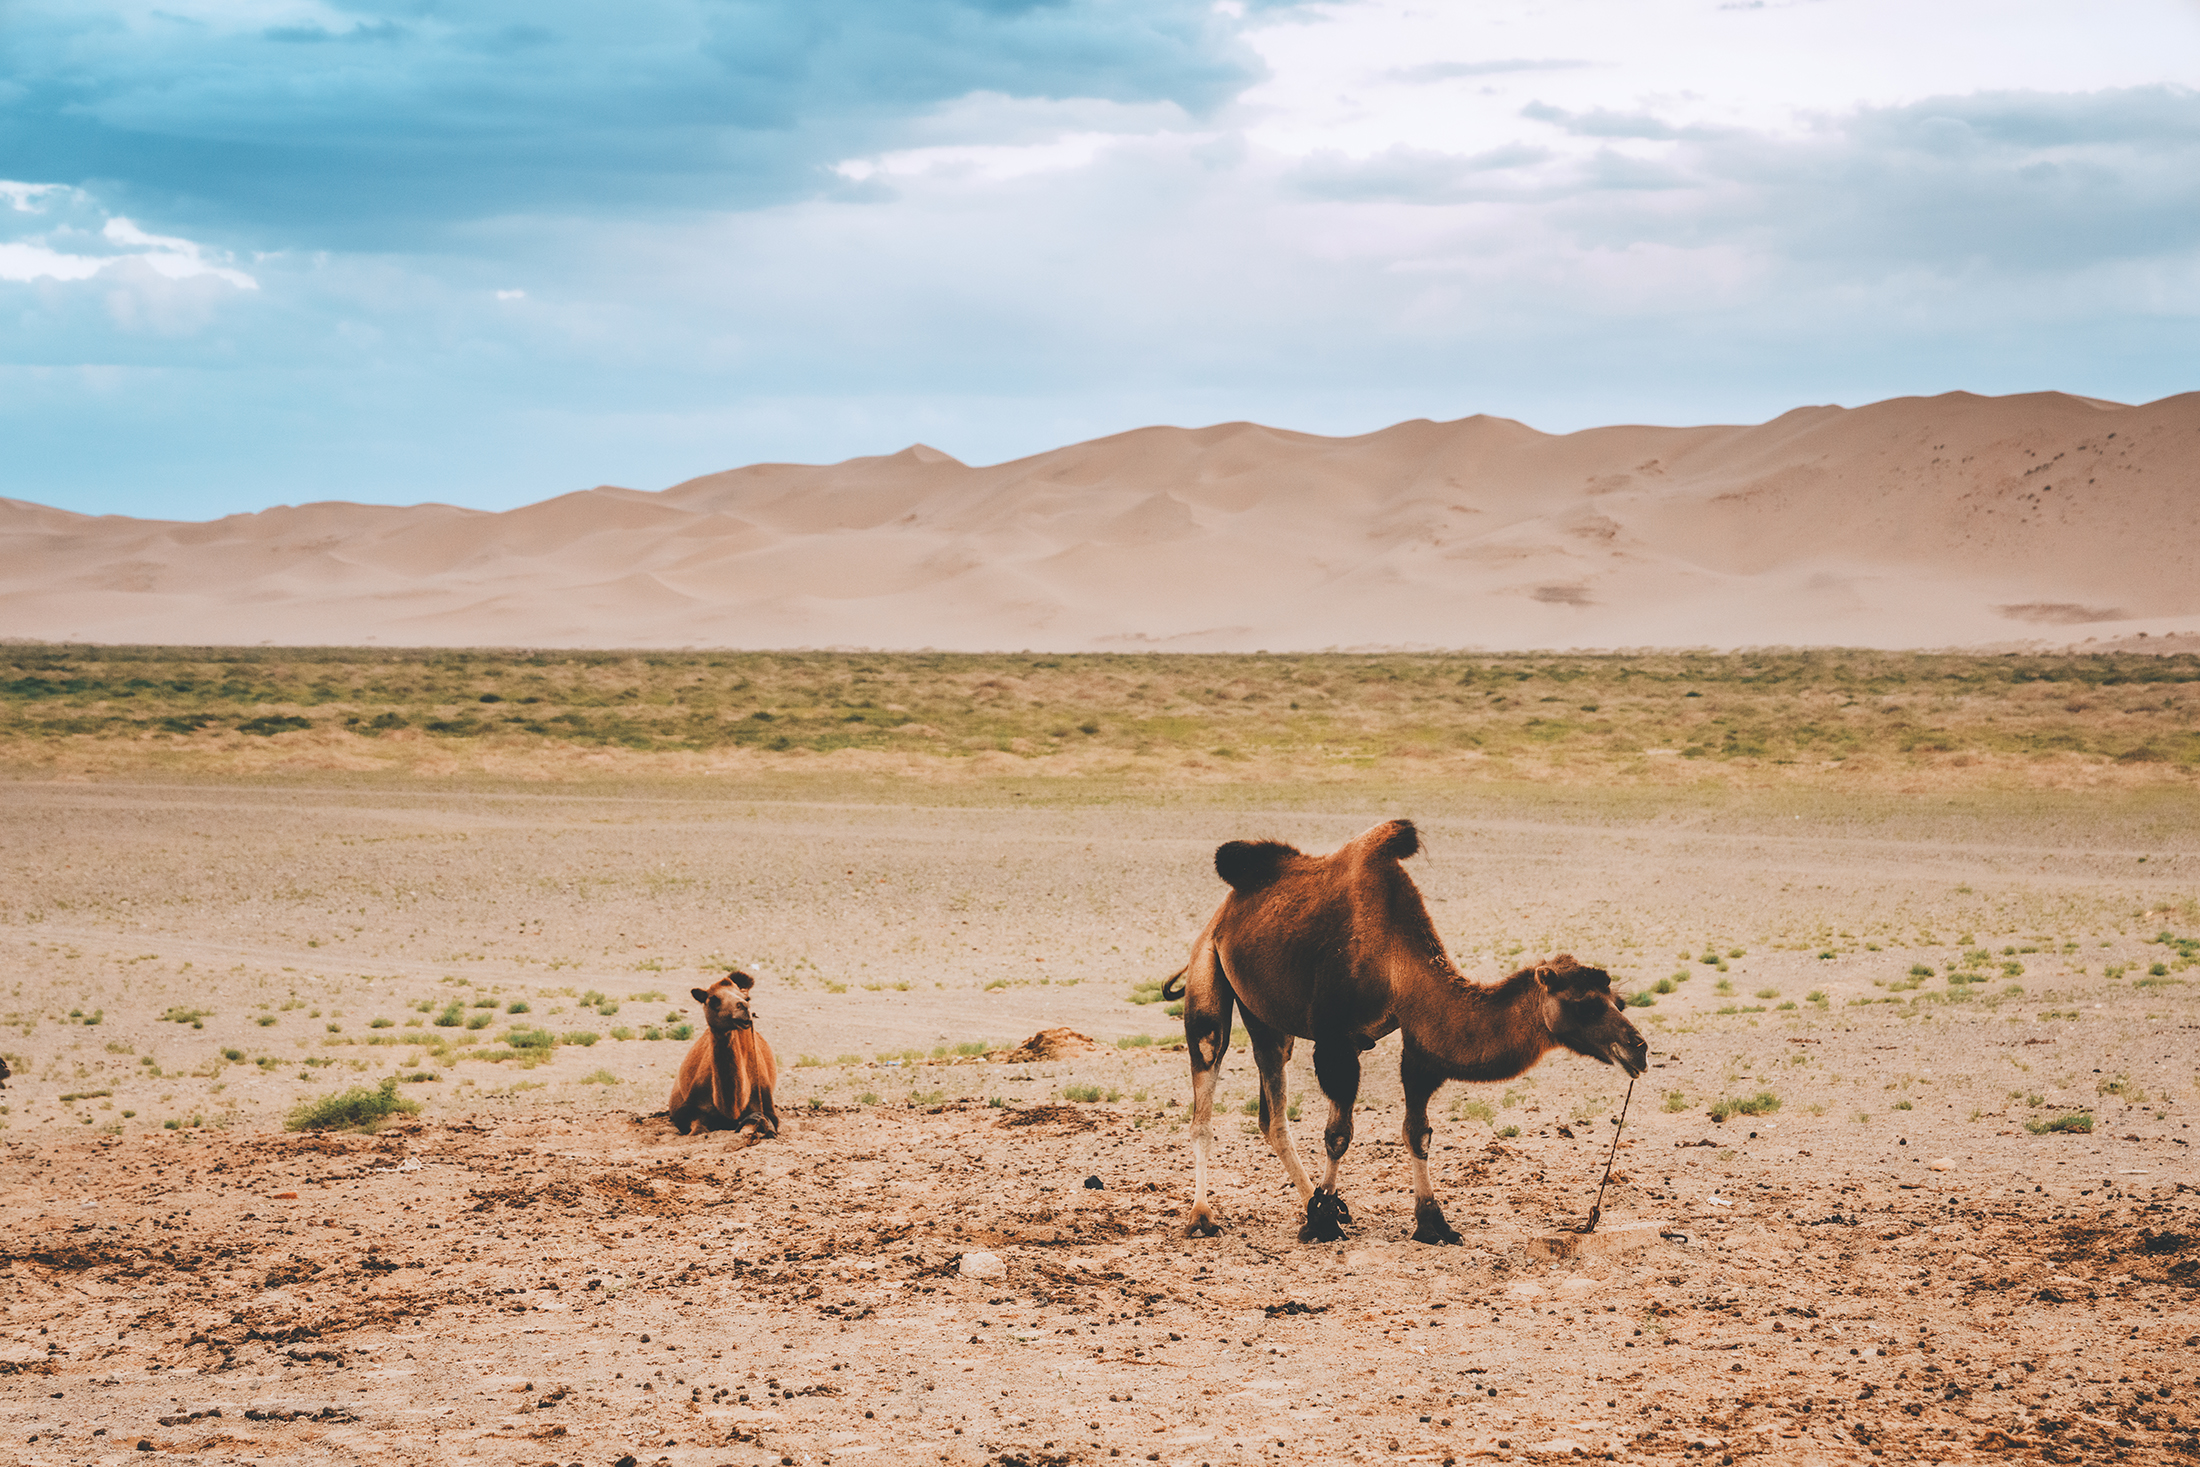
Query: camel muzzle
[(1634, 1057)]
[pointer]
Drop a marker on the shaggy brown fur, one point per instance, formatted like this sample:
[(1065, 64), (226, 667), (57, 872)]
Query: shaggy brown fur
[(725, 1082), (1339, 949)]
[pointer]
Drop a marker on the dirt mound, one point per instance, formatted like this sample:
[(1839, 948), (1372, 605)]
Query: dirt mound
[(1054, 1044)]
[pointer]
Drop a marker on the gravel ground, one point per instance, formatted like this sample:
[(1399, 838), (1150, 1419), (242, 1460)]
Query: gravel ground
[(533, 1269)]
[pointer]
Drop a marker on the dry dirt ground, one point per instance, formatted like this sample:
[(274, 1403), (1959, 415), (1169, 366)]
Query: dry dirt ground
[(532, 1270)]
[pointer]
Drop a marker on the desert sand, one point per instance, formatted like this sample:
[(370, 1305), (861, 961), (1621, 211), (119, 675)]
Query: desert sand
[(1891, 1265), (1919, 522)]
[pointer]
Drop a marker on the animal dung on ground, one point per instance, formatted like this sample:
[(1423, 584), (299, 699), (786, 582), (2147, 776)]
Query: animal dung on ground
[(1055, 1044), (982, 1266)]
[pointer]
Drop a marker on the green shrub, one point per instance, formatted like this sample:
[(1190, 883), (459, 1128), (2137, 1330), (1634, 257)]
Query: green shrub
[(680, 1031), (265, 1020), (530, 1039), (1134, 1041), (1675, 1101), (601, 1077), (1663, 985), (419, 1077), (622, 1032), (1475, 1110), (480, 1021), (358, 1109), (234, 1056), (453, 1015), (273, 723), (193, 1017), (1763, 1103), (581, 1037), (371, 1024), (1147, 991), (517, 1006), (1508, 1132), (2078, 1123), (1094, 1094)]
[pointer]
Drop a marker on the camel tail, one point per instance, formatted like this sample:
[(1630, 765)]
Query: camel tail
[(1172, 987)]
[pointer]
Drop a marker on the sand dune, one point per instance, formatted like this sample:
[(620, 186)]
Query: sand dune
[(1947, 521)]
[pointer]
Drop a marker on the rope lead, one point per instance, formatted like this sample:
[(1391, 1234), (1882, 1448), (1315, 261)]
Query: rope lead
[(1596, 1210)]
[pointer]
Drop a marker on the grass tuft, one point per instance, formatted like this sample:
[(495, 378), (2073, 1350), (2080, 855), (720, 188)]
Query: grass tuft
[(357, 1109)]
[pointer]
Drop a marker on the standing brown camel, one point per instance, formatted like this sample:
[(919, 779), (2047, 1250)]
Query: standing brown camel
[(1340, 950)]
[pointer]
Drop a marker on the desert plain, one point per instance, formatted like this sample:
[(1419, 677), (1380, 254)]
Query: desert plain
[(1915, 1144)]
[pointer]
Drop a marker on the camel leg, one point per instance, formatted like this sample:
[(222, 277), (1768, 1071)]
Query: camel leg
[(1421, 1080), (1272, 1051), (1208, 1009), (1337, 1067)]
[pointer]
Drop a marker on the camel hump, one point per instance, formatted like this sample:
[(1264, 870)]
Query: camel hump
[(1249, 865), (1396, 839)]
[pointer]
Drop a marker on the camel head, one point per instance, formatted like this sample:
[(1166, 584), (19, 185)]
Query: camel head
[(726, 1003), (1584, 1015)]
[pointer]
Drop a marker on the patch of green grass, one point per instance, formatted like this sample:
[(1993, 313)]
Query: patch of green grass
[(1094, 1094), (1902, 1105), (453, 1015), (1135, 1041), (1675, 1102), (194, 1017), (372, 1023), (1475, 1110), (1147, 991), (265, 1020), (1508, 1132), (807, 1062), (1902, 709), (622, 1032), (1763, 1103), (868, 1097), (1643, 1000), (600, 1077), (2077, 1123), (358, 1109), (581, 1038), (517, 1006)]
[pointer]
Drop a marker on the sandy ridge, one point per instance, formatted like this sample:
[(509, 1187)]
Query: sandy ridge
[(1955, 520)]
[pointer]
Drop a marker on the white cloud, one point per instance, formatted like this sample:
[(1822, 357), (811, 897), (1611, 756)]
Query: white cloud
[(69, 251)]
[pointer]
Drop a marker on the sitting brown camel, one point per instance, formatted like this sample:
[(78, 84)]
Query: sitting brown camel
[(1340, 950), (725, 1082)]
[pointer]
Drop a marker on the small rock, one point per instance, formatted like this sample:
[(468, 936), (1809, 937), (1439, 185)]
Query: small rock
[(1940, 1164), (982, 1266), (1094, 1184)]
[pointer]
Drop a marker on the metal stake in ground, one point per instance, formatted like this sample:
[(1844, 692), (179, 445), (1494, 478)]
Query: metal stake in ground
[(1596, 1209)]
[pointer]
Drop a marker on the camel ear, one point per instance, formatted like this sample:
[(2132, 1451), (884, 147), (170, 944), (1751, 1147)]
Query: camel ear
[(742, 981), (701, 996)]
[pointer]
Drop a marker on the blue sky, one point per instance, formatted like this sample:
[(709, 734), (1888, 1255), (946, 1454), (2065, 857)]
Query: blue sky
[(271, 251)]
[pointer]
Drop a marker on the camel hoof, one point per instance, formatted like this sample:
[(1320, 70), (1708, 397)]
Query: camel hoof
[(1430, 1227), (1324, 1212), (1203, 1227)]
